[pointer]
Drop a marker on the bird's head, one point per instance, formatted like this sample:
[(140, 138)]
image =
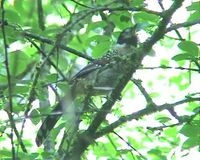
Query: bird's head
[(128, 36)]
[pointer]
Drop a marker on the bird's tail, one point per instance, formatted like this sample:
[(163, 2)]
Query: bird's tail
[(64, 107), (48, 124)]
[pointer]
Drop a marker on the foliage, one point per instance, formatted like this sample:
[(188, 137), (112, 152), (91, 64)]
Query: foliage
[(44, 44)]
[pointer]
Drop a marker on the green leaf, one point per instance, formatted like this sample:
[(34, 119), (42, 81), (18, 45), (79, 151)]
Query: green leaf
[(194, 16), (146, 17), (57, 129), (9, 35), (194, 6), (191, 142), (47, 155), (35, 118), (196, 110), (18, 5), (175, 80), (3, 80), (50, 32), (5, 153), (154, 151), (52, 78), (95, 25), (18, 62), (18, 107), (21, 89), (154, 94), (189, 47), (124, 18), (12, 16), (191, 130), (164, 62), (156, 154), (120, 20), (123, 151), (99, 44), (180, 57), (138, 3), (105, 149), (62, 63), (172, 131), (163, 119)]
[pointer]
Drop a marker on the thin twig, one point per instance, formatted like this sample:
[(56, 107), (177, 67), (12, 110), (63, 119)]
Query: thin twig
[(40, 12), (10, 103), (169, 67), (149, 100), (140, 114), (181, 25), (129, 145), (49, 60), (186, 120), (64, 47), (83, 5), (176, 31)]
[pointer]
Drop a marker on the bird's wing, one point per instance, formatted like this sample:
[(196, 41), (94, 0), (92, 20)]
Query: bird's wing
[(96, 64)]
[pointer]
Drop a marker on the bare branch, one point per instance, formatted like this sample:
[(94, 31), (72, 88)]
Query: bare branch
[(168, 67), (10, 103), (141, 113), (181, 25)]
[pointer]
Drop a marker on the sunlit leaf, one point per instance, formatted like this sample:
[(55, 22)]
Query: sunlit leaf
[(189, 47)]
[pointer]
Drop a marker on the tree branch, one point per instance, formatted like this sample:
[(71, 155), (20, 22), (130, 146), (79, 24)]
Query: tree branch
[(48, 41), (141, 113), (149, 100), (133, 63), (160, 31), (168, 67), (49, 60), (181, 25), (9, 81)]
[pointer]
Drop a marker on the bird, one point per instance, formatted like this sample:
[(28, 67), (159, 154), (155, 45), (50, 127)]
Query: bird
[(97, 78)]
